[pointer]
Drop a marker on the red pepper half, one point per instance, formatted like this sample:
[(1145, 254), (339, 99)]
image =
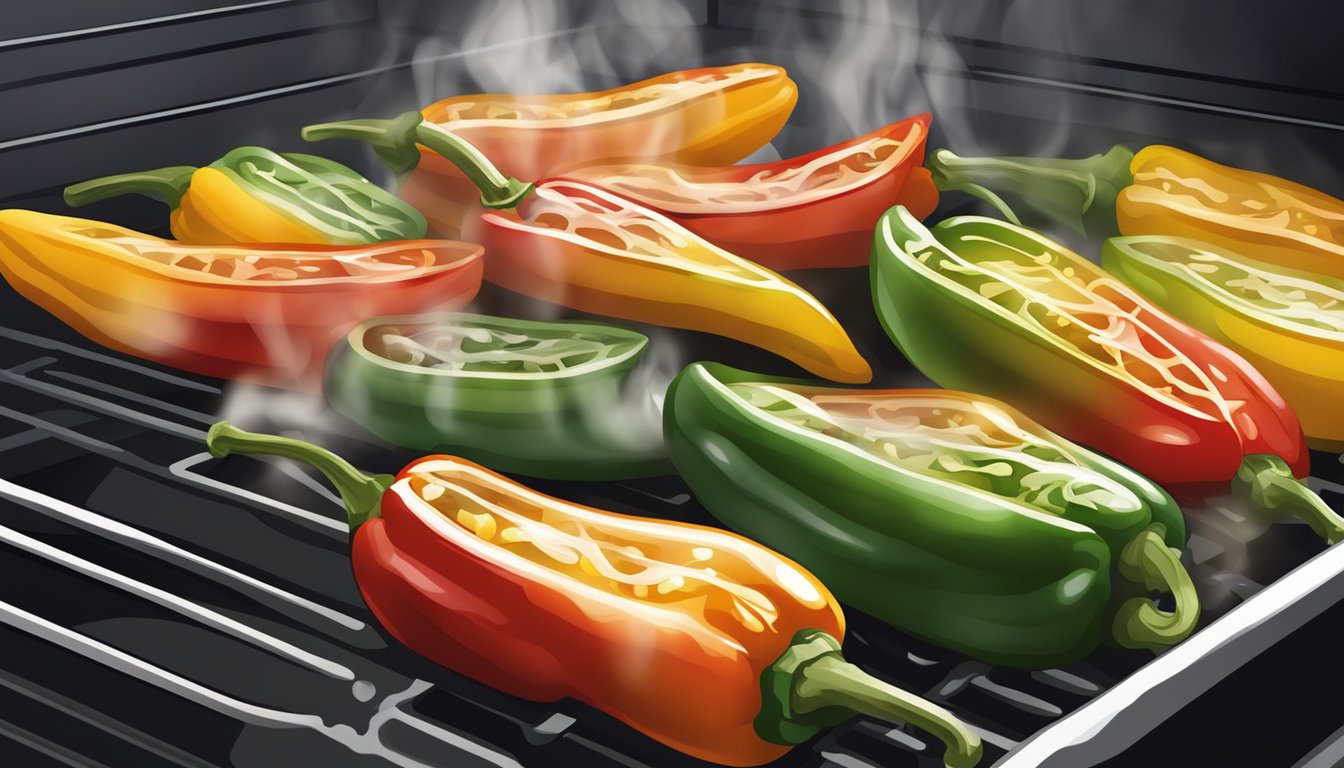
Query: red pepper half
[(807, 212), (701, 639)]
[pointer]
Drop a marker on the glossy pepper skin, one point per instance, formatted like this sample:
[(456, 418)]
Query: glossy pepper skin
[(709, 116), (545, 599), (1286, 322), (254, 195), (1271, 219), (987, 306), (1000, 549), (538, 398), (581, 246), (808, 212), (262, 313)]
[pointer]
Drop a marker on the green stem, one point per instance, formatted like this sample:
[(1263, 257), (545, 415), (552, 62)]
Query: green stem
[(1148, 561), (811, 686), (395, 142), (1268, 484), (171, 183), (1046, 191), (361, 492)]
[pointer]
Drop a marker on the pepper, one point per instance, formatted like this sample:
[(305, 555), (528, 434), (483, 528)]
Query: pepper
[(262, 313), (701, 639), (1286, 322), (1276, 221), (254, 195), (987, 306), (576, 244), (808, 212), (943, 513), (539, 398)]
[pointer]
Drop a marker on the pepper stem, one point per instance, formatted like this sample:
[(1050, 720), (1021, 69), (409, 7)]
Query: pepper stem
[(395, 142), (811, 686), (361, 492), (170, 182), (1147, 560), (1075, 193), (1266, 481)]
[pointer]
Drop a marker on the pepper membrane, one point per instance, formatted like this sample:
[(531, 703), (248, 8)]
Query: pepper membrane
[(944, 513), (988, 306), (738, 647), (266, 313)]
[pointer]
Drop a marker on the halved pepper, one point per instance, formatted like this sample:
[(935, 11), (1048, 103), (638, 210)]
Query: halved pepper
[(576, 244), (808, 212), (254, 195), (1288, 323), (946, 514), (987, 306), (538, 398), (264, 313), (699, 638)]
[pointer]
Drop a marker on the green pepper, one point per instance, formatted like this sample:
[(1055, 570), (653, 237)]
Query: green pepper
[(946, 514), (535, 398), (254, 195)]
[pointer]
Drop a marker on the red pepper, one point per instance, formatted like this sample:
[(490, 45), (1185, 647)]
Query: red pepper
[(701, 639)]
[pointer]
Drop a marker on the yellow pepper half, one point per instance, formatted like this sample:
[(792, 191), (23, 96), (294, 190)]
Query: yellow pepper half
[(1278, 221), (1288, 323)]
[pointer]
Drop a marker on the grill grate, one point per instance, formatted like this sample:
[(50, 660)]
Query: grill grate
[(192, 611)]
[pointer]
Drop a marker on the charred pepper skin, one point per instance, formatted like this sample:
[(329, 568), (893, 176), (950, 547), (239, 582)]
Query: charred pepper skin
[(969, 571), (254, 195), (554, 424), (536, 627)]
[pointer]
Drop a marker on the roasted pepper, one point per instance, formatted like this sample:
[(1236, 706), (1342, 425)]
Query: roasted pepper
[(254, 195), (987, 306), (576, 244), (1288, 323), (812, 211), (697, 637), (943, 513), (538, 398), (262, 313)]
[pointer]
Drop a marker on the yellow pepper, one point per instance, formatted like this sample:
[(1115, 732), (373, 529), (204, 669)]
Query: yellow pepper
[(1288, 323), (1278, 221)]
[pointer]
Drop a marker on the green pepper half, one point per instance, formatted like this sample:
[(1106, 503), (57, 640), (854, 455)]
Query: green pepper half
[(946, 514), (545, 399)]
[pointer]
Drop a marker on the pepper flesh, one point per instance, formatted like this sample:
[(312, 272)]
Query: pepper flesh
[(254, 195), (1276, 221), (943, 513), (544, 399), (545, 599), (1288, 323), (1040, 327), (265, 313), (807, 212)]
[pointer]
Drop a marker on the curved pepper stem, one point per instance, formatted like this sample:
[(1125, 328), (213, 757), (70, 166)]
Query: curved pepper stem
[(1147, 560), (361, 492), (1268, 484), (171, 183), (811, 686), (395, 143), (1074, 193)]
